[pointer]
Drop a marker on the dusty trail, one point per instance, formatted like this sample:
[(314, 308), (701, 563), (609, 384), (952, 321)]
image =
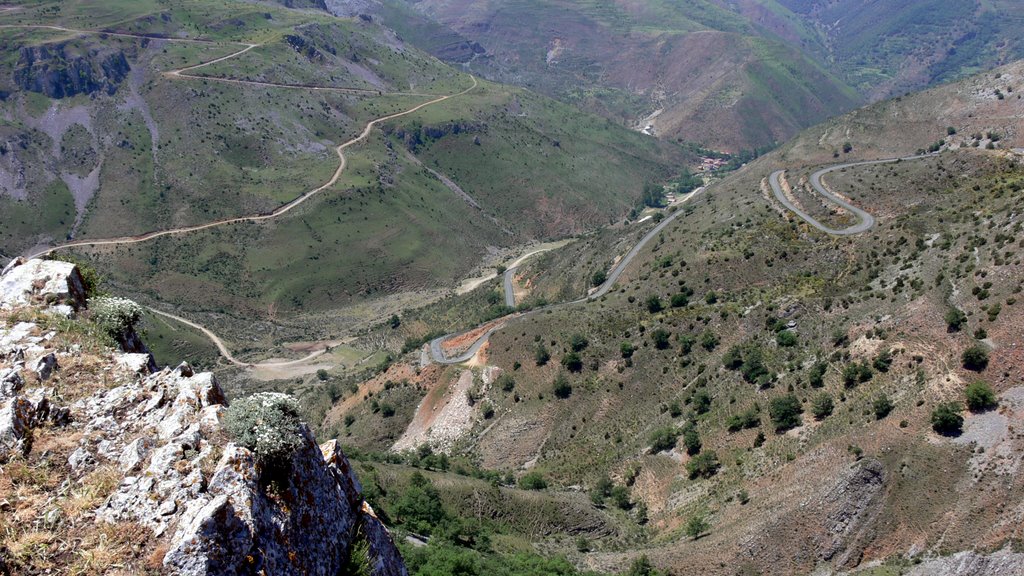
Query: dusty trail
[(181, 73)]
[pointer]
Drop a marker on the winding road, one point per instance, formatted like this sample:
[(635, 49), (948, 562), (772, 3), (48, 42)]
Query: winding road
[(866, 220), (436, 345), (182, 73)]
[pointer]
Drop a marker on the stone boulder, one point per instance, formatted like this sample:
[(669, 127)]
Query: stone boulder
[(48, 282)]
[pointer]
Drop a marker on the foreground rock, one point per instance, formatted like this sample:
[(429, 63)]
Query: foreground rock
[(123, 451)]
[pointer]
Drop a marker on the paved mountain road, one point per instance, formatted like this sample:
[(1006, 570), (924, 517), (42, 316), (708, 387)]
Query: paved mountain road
[(866, 220), (436, 351)]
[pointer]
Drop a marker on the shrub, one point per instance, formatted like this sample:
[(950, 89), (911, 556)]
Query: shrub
[(419, 506), (883, 361), (822, 406), (856, 373), (626, 349), (541, 355), (663, 439), (562, 389), (955, 319), (882, 406), (816, 377), (505, 382), (598, 278), (660, 338), (267, 423), (786, 338), (980, 397), (696, 526), (708, 340), (620, 498), (653, 304), (701, 402), (946, 419), (691, 439), (533, 481), (785, 412), (975, 358), (704, 465), (749, 419), (578, 342), (116, 316), (733, 358), (680, 300), (572, 362)]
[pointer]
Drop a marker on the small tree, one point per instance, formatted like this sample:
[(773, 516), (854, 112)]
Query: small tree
[(268, 424), (598, 278), (626, 349), (822, 406), (816, 377), (533, 481), (786, 338), (980, 397), (680, 300), (708, 340), (785, 412), (975, 358), (541, 354), (572, 362), (692, 442), (660, 338), (578, 342), (883, 406), (701, 402), (946, 419), (883, 361), (696, 526), (704, 465), (663, 439), (955, 319), (394, 321), (561, 388), (654, 304)]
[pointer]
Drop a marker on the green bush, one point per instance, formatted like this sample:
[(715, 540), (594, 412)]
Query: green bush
[(654, 304), (822, 406), (882, 406), (701, 402), (946, 419), (816, 376), (856, 373), (749, 419), (660, 338), (708, 340), (883, 361), (561, 388), (598, 278), (691, 439), (578, 342), (955, 320), (626, 349), (116, 316), (572, 362), (696, 526), (268, 424), (786, 338), (704, 465), (785, 412), (975, 358), (533, 481), (663, 439), (680, 300), (980, 397), (541, 354)]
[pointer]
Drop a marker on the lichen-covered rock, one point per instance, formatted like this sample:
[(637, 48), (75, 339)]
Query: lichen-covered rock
[(47, 282), (44, 366), (15, 427)]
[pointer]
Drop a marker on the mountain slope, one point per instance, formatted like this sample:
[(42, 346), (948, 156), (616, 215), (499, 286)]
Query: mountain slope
[(776, 391)]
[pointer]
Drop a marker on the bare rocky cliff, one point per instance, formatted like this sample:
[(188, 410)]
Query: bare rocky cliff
[(137, 468)]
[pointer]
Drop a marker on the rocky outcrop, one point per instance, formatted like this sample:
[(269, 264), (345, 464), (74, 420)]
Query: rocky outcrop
[(46, 282), (853, 502), (62, 70), (419, 135), (203, 504)]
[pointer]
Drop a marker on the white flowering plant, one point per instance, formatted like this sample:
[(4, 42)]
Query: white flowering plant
[(267, 423), (116, 316)]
